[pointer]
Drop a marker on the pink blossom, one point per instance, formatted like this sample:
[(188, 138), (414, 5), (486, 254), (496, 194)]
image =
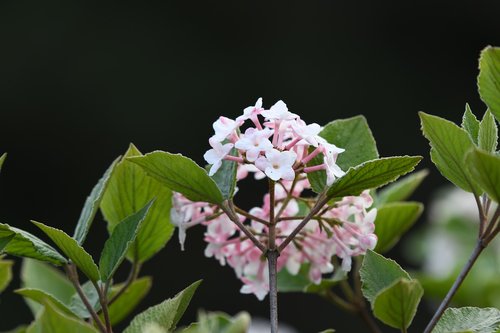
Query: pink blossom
[(253, 142), (215, 155), (277, 165)]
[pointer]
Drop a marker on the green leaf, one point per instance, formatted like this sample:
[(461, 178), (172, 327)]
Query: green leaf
[(488, 133), (485, 168), (43, 298), (225, 177), (39, 275), (5, 240), (76, 304), (378, 273), (449, 145), (72, 250), (397, 304), (489, 79), (352, 134), (290, 283), (120, 241), (180, 174), (129, 299), (469, 319), (326, 284), (218, 322), (165, 315), (129, 189), (470, 124), (2, 159), (24, 244), (92, 205), (393, 220), (5, 273), (401, 189), (53, 320), (372, 174)]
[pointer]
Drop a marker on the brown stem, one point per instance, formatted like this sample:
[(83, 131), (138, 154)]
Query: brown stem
[(272, 222), (251, 216), (272, 258), (103, 299), (229, 210), (460, 278), (73, 277), (322, 200)]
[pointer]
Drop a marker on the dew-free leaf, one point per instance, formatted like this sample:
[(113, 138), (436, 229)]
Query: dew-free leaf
[(485, 168), (469, 319), (401, 189), (489, 79)]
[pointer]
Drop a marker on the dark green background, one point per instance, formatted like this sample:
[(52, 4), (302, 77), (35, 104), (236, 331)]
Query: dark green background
[(80, 80)]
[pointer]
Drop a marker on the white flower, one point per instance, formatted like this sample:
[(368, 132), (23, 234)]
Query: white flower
[(215, 155), (277, 165), (224, 127), (307, 132), (251, 111), (279, 112), (333, 171), (254, 141)]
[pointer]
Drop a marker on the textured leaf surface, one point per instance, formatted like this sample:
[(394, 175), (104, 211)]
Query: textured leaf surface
[(119, 242), (76, 304), (180, 174), (72, 250), (485, 168), (401, 189), (470, 124), (5, 273), (165, 315), (54, 321), (489, 79), (378, 273), (129, 189), (372, 174), (24, 244), (2, 159), (396, 305), (129, 300), (217, 322), (225, 177), (393, 220), (92, 205), (352, 134), (43, 298), (488, 133), (449, 145), (469, 319), (39, 275)]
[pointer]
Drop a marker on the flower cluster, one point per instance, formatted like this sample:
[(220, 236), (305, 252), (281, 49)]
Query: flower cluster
[(278, 147)]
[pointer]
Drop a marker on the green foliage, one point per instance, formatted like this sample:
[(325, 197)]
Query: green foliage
[(217, 322), (165, 315), (396, 305), (352, 134), (24, 244), (394, 296), (225, 177), (485, 168), (72, 250), (488, 133), (5, 273), (53, 320), (5, 240), (2, 159), (76, 304), (378, 273), (44, 298), (393, 220), (301, 282), (470, 124), (92, 205), (401, 189), (489, 79), (129, 299), (129, 189), (449, 146), (180, 174), (327, 283), (119, 242), (372, 174), (39, 275), (469, 319)]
